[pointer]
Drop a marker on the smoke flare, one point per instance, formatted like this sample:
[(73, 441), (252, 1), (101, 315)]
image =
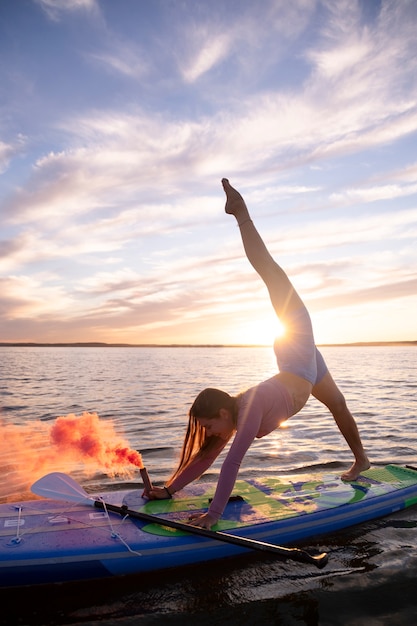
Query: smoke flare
[(72, 443), (90, 439)]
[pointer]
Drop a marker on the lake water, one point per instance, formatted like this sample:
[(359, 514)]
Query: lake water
[(143, 394)]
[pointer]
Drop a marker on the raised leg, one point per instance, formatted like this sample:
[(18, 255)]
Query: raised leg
[(285, 300), (283, 296), (327, 392)]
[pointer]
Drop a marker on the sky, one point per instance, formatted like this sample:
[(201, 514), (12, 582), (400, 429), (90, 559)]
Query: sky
[(118, 120)]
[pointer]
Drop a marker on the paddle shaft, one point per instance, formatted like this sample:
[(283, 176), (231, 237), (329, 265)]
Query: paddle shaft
[(295, 554)]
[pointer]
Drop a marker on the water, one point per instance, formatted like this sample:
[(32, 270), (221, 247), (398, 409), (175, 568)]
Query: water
[(145, 393)]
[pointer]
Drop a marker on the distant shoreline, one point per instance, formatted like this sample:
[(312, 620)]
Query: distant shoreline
[(93, 344)]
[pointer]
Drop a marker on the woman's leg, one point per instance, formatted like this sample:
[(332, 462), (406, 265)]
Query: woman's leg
[(295, 350), (285, 300), (283, 296), (327, 392)]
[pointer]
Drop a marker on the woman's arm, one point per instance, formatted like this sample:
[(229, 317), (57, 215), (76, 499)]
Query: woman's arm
[(249, 421), (197, 466)]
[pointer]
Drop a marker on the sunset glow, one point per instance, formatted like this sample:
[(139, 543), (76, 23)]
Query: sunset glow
[(118, 121)]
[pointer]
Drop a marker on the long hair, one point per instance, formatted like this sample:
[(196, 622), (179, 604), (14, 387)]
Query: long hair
[(196, 442)]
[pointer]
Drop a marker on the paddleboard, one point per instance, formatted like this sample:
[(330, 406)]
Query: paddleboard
[(44, 541)]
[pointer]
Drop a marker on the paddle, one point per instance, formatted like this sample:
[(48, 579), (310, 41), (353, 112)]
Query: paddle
[(62, 487)]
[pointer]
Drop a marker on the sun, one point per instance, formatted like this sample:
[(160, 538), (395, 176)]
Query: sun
[(262, 332)]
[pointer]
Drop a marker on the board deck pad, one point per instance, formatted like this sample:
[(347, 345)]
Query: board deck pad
[(278, 498)]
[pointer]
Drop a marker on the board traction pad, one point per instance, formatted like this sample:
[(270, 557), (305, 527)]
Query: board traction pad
[(277, 498)]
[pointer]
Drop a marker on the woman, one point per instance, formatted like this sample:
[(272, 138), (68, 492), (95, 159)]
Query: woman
[(215, 416)]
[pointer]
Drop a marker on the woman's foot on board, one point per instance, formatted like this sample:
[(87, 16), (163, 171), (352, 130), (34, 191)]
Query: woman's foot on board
[(235, 204), (360, 465)]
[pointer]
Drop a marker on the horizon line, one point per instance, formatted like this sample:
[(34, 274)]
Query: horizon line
[(102, 344)]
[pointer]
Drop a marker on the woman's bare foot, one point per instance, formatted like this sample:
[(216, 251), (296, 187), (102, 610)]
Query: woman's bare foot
[(235, 204), (357, 467)]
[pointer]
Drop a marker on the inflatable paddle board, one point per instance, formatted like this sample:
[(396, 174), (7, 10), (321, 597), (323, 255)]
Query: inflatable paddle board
[(72, 538)]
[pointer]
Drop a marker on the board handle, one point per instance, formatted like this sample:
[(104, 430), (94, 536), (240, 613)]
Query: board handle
[(231, 499)]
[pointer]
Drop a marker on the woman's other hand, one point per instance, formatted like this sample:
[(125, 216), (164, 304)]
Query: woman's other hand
[(202, 521), (157, 493)]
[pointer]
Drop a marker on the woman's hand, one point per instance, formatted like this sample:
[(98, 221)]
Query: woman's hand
[(202, 521), (156, 493)]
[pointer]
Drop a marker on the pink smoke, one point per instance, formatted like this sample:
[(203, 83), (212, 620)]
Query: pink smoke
[(89, 439), (71, 443)]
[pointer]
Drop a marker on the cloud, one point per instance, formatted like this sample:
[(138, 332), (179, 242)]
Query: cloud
[(113, 157), (407, 174), (6, 152), (210, 54), (125, 61), (372, 194), (54, 9), (235, 36), (125, 306), (32, 297), (344, 231), (122, 199), (129, 152), (385, 292), (10, 149)]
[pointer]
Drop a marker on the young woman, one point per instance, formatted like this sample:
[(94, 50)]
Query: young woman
[(215, 416)]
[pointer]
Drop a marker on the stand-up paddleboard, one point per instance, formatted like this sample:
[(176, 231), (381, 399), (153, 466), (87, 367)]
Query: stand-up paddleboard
[(76, 536)]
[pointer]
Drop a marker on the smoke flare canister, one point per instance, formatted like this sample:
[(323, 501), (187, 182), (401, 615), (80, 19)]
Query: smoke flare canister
[(145, 477)]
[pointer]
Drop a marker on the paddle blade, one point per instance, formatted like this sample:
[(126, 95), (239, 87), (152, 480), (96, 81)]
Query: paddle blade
[(59, 486)]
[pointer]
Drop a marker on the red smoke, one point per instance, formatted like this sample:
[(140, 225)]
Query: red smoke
[(89, 439), (72, 443)]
